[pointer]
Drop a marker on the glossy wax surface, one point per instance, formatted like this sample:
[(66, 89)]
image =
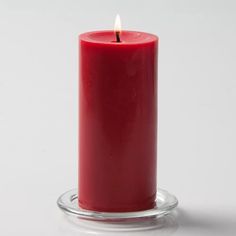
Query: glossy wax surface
[(118, 121)]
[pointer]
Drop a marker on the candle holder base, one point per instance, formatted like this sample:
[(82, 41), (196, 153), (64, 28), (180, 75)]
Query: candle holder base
[(165, 202)]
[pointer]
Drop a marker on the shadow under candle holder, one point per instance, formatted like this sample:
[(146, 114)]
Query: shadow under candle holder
[(217, 222)]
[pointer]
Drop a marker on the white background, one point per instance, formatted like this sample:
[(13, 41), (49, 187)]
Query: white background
[(38, 109)]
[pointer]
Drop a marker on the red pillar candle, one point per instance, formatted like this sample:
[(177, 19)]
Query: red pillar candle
[(118, 121)]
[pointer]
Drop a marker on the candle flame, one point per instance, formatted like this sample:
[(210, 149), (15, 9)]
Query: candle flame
[(117, 27)]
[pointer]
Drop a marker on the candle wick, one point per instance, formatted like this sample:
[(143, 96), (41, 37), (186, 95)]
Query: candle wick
[(118, 37)]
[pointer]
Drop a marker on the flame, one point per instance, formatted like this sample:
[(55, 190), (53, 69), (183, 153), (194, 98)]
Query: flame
[(117, 26)]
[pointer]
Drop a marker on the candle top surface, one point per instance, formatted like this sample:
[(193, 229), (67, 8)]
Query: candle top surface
[(109, 37)]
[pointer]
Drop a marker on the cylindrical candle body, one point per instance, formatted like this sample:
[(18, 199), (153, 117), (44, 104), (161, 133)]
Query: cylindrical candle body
[(117, 121)]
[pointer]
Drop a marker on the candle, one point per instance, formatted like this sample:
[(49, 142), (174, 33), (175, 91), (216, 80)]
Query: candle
[(117, 121)]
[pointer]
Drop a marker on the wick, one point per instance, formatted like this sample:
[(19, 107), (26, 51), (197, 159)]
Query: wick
[(118, 37)]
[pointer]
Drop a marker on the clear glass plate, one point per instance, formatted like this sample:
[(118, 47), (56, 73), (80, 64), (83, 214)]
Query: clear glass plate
[(165, 202)]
